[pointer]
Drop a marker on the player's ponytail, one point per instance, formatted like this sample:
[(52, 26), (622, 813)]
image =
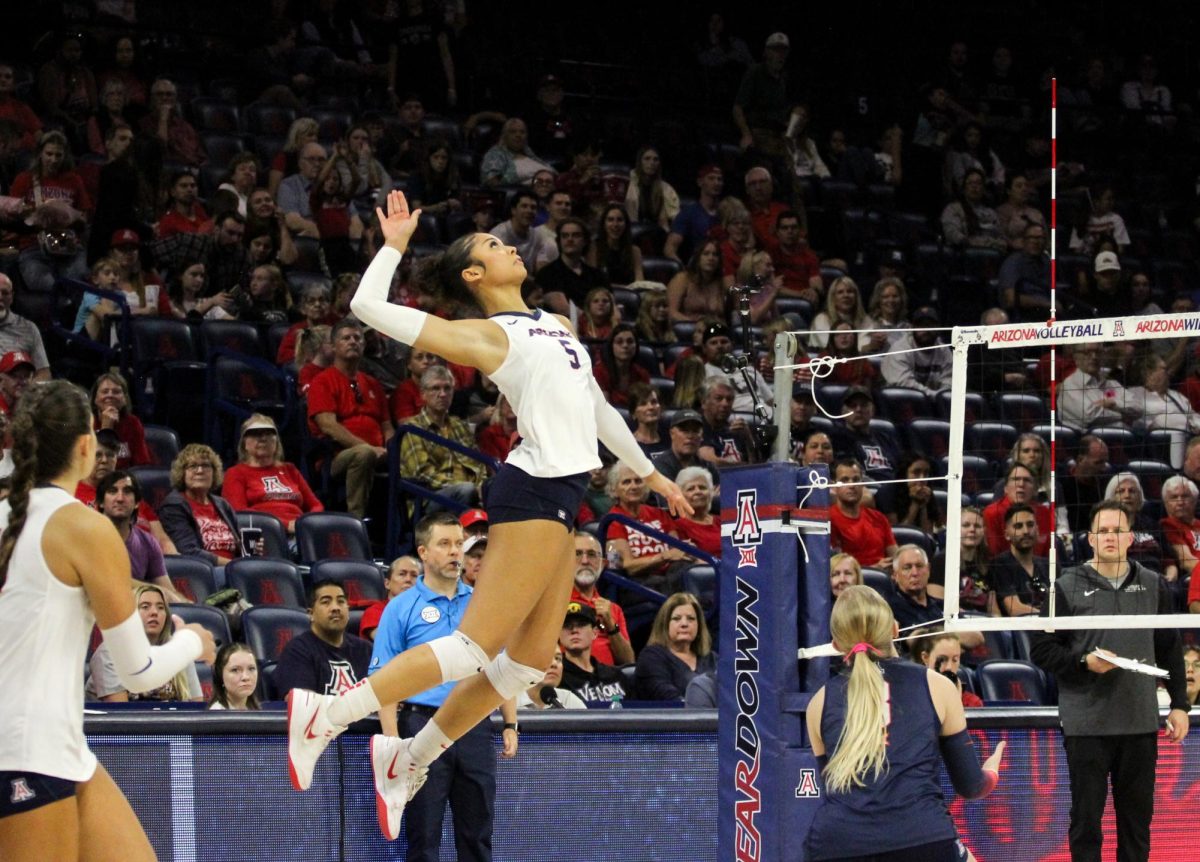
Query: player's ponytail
[(440, 275), (861, 617), (49, 420)]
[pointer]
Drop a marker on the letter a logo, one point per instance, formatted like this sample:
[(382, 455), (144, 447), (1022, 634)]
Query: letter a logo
[(20, 791), (747, 531), (808, 788)]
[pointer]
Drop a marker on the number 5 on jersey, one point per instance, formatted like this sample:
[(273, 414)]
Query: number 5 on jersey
[(566, 344)]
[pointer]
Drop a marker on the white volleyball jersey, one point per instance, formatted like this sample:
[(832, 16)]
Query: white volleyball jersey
[(45, 627), (547, 378)]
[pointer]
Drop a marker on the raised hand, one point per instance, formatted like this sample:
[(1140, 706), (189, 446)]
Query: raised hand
[(669, 491), (398, 224)]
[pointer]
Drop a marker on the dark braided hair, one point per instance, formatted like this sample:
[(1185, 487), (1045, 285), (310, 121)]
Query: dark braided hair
[(49, 420)]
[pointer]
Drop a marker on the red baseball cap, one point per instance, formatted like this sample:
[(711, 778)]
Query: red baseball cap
[(706, 170), (125, 237), (471, 517), (9, 362)]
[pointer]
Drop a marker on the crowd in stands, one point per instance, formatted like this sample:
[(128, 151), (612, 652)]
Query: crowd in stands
[(170, 223)]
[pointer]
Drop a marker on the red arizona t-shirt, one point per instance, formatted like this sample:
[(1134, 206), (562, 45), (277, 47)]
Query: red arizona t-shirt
[(362, 415), (215, 535), (277, 489)]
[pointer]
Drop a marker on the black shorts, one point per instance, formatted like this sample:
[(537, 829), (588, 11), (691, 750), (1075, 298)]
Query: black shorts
[(514, 495), (25, 791), (948, 850)]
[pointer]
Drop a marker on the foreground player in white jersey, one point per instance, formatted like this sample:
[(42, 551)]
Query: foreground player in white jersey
[(508, 634), (63, 568)]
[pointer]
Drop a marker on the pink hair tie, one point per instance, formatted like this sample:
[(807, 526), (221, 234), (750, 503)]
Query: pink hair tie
[(860, 647)]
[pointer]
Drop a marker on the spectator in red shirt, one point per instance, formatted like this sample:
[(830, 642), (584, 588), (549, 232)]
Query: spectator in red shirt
[(348, 407), (315, 302), (1181, 532), (187, 214), (642, 557), (314, 353), (200, 523), (496, 437), (703, 528), (401, 575), (735, 219), (110, 404), (863, 533), (406, 398), (764, 212), (796, 263), (164, 120), (611, 645), (1020, 486), (262, 481), (12, 108), (617, 368), (60, 203)]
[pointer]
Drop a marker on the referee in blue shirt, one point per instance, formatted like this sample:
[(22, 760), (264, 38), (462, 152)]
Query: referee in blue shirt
[(465, 776)]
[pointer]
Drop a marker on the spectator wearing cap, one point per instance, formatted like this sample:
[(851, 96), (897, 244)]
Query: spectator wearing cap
[(144, 291), (686, 437), (718, 346), (762, 106), (916, 360), (16, 370), (678, 650), (569, 277), (1088, 397), (877, 451), (553, 130), (726, 438), (591, 680), (854, 528), (796, 263), (400, 576), (262, 481), (1109, 294), (466, 774), (694, 221), (430, 464), (110, 403), (474, 522), (119, 498), (187, 214), (19, 335), (474, 548), (348, 407), (611, 645)]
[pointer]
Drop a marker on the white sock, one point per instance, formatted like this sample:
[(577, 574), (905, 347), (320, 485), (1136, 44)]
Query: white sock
[(428, 745), (355, 703)]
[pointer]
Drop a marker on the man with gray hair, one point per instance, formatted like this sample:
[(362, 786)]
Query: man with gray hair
[(1181, 532), (20, 335), (723, 440), (437, 467), (910, 601), (295, 191), (764, 211)]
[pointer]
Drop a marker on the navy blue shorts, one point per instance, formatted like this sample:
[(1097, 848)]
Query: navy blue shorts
[(514, 495), (26, 791)]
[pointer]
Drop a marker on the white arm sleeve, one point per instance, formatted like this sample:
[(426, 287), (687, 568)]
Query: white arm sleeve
[(142, 667), (370, 303), (615, 434)]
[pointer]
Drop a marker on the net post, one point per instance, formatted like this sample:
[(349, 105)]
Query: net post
[(958, 412), (785, 350)]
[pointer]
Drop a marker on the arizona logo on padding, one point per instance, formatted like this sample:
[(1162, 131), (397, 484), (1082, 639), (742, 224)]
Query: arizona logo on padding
[(747, 531)]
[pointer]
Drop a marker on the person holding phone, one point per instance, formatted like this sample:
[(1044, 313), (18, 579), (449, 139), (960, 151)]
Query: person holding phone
[(942, 651)]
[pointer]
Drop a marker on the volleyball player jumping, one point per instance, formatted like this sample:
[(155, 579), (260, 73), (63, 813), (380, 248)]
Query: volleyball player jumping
[(508, 633), (63, 568)]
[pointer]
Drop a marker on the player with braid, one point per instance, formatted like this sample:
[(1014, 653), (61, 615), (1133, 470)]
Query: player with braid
[(64, 568), (507, 636)]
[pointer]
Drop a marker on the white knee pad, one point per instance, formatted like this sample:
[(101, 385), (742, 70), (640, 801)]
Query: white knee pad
[(510, 678), (458, 656)]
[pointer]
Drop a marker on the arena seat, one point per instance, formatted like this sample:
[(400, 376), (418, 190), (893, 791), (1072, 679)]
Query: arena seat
[(155, 482), (1066, 439), (912, 536), (237, 386), (222, 146), (163, 444), (268, 630), (977, 474), (974, 406), (878, 581), (210, 618), (902, 405), (660, 269), (929, 437), (361, 580), (204, 673), (191, 577), (235, 336), (275, 540), (332, 123), (991, 440), (271, 120), (1123, 444), (215, 115), (1021, 409), (266, 582), (445, 128), (331, 535), (1152, 475), (164, 353), (701, 581), (1012, 681)]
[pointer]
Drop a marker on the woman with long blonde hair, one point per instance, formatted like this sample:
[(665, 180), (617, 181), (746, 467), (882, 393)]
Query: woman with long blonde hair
[(878, 729)]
